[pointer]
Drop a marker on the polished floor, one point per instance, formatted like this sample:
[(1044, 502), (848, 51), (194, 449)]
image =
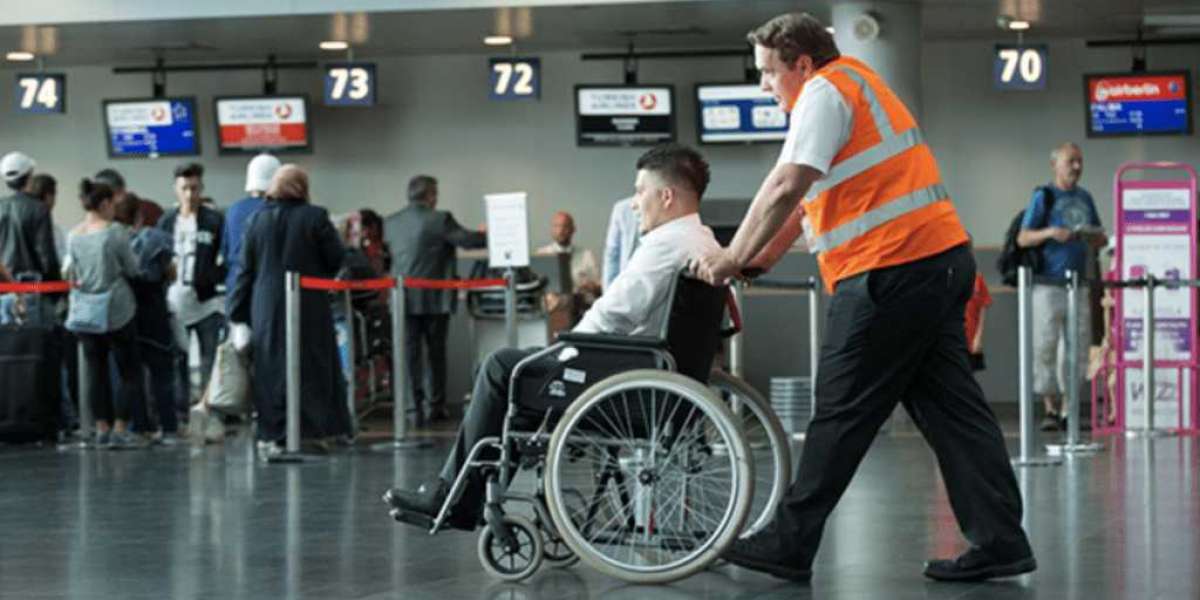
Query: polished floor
[(213, 523)]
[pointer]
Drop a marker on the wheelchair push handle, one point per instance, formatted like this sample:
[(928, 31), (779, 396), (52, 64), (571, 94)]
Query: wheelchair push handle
[(735, 315)]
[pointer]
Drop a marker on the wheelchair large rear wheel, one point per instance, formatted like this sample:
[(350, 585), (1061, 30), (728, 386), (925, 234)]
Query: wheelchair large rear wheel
[(770, 447), (660, 502)]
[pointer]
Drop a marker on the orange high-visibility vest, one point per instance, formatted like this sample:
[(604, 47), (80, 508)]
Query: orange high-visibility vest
[(882, 203)]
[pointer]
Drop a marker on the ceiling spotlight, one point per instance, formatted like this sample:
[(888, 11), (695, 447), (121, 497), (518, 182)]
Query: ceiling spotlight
[(830, 30), (19, 56), (334, 45), (1018, 25), (498, 40)]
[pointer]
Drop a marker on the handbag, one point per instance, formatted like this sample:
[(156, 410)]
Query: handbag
[(229, 386), (87, 312)]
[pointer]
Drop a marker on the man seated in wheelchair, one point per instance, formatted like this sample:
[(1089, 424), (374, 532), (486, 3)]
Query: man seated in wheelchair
[(670, 181)]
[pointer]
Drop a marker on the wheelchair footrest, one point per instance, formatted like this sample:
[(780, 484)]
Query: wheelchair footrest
[(412, 518)]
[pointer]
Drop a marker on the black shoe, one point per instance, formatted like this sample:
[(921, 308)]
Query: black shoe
[(763, 552), (1052, 422), (426, 500), (977, 564), (438, 414)]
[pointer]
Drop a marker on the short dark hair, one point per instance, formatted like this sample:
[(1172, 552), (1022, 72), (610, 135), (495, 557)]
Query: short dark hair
[(126, 210), (189, 170), (92, 194), (110, 177), (43, 185), (679, 165), (420, 187), (796, 34), (369, 218)]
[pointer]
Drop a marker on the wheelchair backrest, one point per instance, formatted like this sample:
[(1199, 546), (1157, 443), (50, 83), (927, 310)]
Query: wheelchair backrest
[(693, 329)]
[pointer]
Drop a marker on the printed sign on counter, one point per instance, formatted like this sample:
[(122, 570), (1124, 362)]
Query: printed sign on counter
[(508, 230)]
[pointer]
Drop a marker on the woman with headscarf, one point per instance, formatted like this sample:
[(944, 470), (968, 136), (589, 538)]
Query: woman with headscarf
[(290, 234)]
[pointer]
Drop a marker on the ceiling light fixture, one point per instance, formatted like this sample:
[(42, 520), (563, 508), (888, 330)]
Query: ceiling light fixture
[(19, 56), (1018, 25), (498, 40), (830, 30), (334, 45)]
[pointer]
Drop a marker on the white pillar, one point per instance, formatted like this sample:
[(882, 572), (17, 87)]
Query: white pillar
[(895, 53)]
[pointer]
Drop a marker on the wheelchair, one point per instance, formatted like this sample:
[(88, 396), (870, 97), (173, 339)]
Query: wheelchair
[(641, 470)]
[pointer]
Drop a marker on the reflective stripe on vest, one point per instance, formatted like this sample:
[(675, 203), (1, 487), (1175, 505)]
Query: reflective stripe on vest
[(871, 219), (890, 146)]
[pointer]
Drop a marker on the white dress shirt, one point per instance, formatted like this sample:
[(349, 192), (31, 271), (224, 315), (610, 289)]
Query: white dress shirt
[(636, 302)]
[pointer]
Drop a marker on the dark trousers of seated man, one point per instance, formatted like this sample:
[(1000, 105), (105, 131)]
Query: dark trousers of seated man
[(896, 335), (484, 417)]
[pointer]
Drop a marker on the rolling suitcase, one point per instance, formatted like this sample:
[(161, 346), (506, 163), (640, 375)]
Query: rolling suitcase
[(29, 383)]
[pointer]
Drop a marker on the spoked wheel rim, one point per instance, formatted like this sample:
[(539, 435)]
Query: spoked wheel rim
[(768, 443), (660, 503)]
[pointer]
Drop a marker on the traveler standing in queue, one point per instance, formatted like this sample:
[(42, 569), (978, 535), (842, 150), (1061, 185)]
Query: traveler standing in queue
[(1060, 223), (192, 297), (26, 231), (290, 234), (620, 240), (100, 263), (423, 241), (259, 172), (154, 251), (857, 175)]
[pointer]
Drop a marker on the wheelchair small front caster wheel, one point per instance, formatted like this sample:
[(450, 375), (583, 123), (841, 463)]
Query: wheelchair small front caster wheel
[(517, 559)]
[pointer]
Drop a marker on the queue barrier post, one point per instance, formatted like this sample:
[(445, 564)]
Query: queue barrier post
[(1027, 457), (1148, 355), (1073, 447), (291, 319), (812, 287)]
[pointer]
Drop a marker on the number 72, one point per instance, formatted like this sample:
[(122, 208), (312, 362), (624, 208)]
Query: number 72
[(504, 77)]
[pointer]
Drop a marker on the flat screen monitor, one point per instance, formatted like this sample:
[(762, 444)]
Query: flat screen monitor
[(738, 113), (151, 127), (263, 123), (624, 115), (1138, 103)]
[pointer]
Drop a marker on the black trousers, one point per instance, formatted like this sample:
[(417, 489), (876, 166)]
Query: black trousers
[(484, 418), (112, 400), (896, 335), (428, 333)]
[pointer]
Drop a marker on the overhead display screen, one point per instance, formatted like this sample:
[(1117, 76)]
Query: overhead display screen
[(641, 115), (1138, 104), (151, 127), (738, 113), (262, 123)]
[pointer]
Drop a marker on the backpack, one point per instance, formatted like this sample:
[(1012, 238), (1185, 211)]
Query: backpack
[(1012, 256)]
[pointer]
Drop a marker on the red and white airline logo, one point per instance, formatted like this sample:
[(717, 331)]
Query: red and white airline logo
[(283, 111), (648, 101), (1106, 90), (1151, 87), (158, 113)]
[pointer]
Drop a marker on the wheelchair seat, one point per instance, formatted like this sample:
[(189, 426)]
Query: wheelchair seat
[(687, 343)]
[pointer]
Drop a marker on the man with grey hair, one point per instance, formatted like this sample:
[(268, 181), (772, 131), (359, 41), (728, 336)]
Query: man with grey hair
[(423, 241), (1061, 221)]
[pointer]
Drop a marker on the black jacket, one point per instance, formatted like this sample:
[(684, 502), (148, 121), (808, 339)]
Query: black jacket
[(423, 242), (207, 273), (27, 238)]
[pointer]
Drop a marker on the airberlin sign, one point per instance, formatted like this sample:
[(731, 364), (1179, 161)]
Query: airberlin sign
[(1138, 103)]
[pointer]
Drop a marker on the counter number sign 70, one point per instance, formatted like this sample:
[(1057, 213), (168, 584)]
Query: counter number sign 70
[(1020, 67)]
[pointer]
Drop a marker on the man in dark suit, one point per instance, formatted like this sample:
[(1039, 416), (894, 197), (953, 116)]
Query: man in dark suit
[(423, 241)]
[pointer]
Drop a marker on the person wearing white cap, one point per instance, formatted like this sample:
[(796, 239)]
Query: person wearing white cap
[(259, 172), (26, 231)]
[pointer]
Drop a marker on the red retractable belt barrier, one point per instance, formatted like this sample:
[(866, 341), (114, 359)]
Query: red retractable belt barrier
[(387, 283), (38, 287), (338, 285), (452, 284)]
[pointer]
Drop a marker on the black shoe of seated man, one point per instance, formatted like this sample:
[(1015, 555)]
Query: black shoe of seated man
[(763, 552), (427, 501), (978, 564)]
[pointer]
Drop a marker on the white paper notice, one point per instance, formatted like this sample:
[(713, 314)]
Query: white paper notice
[(508, 230)]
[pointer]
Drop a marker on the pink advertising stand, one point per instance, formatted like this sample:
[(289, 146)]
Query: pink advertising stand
[(1156, 235)]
